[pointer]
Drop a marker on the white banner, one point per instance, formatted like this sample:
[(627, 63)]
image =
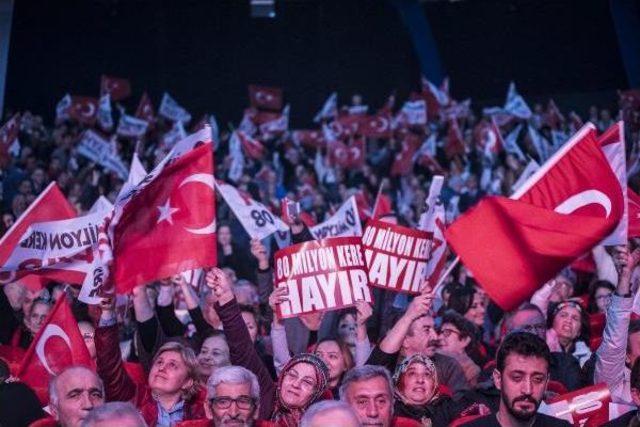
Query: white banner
[(101, 205), (254, 216), (105, 120), (345, 222), (414, 112), (131, 127), (175, 134), (170, 109), (99, 150)]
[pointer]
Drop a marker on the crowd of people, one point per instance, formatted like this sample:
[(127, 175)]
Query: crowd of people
[(215, 354)]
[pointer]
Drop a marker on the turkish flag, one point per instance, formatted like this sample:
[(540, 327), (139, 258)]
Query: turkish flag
[(308, 138), (455, 140), (252, 147), (351, 157), (403, 163), (145, 109), (50, 205), (268, 98), (9, 135), (613, 147), (116, 87), (84, 109), (513, 246), (435, 97), (346, 125), (169, 225), (634, 213), (377, 126), (58, 345), (382, 206)]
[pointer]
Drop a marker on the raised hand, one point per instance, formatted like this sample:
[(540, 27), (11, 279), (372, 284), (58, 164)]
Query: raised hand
[(220, 283), (421, 304), (260, 252), (365, 311)]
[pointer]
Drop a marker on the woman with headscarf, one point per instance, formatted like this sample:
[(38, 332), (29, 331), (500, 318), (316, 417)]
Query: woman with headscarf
[(568, 330), (302, 381), (417, 392)]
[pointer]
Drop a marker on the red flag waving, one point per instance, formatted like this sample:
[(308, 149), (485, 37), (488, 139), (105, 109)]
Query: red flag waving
[(172, 217), (308, 138), (378, 126), (9, 135), (269, 98), (145, 109), (117, 88), (84, 109), (50, 205), (252, 147), (567, 207), (403, 163), (56, 346), (634, 213)]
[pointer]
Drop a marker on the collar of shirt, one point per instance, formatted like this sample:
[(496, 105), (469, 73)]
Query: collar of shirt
[(168, 418)]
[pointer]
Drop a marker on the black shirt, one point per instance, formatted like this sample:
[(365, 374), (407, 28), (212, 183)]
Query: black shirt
[(541, 421)]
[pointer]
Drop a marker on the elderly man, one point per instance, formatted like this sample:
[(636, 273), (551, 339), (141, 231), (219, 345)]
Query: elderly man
[(73, 394), (369, 391), (121, 414), (233, 395), (329, 413)]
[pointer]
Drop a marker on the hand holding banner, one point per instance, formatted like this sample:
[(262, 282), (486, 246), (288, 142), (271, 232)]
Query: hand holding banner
[(321, 275), (396, 256), (585, 407)]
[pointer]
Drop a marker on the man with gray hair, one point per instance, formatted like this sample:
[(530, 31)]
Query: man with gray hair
[(73, 394), (121, 414), (233, 395), (369, 391), (330, 413)]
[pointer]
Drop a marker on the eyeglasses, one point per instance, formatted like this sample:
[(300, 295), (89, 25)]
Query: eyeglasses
[(447, 332), (242, 402), (536, 327), (306, 381)]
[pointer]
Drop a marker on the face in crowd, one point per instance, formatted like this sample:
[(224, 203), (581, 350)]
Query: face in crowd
[(336, 359), (299, 383), (452, 339), (38, 314), (477, 309), (418, 383), (567, 323), (169, 373), (372, 400), (347, 329), (214, 353), (233, 405), (73, 394), (421, 338)]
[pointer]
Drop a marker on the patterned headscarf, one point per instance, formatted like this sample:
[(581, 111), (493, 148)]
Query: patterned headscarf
[(284, 415), (402, 368)]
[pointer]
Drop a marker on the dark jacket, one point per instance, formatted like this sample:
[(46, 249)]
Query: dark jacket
[(19, 405), (118, 385), (623, 420), (433, 411), (541, 421), (242, 352)]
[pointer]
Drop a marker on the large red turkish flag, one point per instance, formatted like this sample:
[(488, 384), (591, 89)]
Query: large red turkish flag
[(168, 226), (51, 205), (56, 346), (513, 246)]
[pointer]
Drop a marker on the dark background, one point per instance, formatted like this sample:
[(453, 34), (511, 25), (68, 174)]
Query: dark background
[(206, 52)]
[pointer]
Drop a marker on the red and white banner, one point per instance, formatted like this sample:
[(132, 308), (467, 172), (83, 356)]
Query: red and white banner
[(413, 113), (50, 205), (396, 256), (586, 407), (345, 222), (433, 222), (170, 109), (378, 126), (403, 161), (321, 275), (268, 98), (116, 87), (58, 345), (250, 146), (514, 106), (131, 127), (568, 206), (255, 217), (99, 150), (308, 138), (633, 213), (276, 127), (345, 156)]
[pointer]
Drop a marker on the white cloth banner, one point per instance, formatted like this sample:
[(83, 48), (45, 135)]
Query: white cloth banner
[(170, 109), (99, 150), (414, 112), (105, 120), (131, 127), (345, 222), (329, 108), (254, 216), (101, 205)]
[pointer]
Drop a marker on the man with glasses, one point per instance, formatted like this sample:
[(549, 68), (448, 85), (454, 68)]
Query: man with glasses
[(233, 394)]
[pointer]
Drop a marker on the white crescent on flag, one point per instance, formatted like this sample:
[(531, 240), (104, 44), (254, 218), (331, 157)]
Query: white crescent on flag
[(50, 331), (208, 180)]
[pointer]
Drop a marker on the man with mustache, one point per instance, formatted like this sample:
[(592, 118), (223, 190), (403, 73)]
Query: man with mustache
[(521, 375)]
